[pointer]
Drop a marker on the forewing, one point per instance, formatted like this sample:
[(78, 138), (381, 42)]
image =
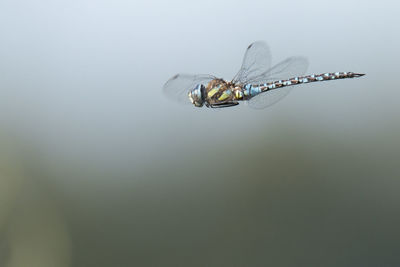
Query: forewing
[(256, 61), (289, 68), (178, 87)]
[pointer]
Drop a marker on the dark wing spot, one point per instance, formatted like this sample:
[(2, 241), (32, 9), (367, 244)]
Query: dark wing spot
[(250, 46), (176, 76)]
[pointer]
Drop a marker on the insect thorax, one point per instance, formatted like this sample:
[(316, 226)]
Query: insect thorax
[(219, 91)]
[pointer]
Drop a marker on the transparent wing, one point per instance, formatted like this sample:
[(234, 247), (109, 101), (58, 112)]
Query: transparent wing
[(256, 61), (268, 98), (289, 68), (178, 87)]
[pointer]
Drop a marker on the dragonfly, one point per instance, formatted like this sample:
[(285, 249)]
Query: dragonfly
[(256, 83)]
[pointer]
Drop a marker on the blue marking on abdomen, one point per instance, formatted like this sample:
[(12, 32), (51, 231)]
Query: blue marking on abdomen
[(247, 88), (255, 90)]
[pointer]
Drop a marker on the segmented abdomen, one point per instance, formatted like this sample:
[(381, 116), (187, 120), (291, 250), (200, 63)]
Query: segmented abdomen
[(250, 90)]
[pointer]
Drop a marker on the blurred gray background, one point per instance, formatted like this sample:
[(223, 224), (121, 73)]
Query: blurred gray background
[(99, 168)]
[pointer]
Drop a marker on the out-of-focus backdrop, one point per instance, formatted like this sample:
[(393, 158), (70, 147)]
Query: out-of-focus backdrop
[(99, 168)]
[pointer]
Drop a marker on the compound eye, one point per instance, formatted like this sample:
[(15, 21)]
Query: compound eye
[(198, 91)]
